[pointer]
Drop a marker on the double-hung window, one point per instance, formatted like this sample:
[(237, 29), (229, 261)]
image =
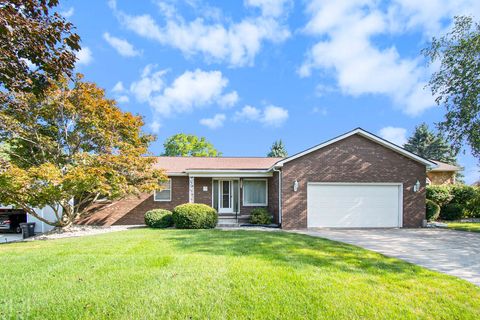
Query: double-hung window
[(164, 193), (255, 192)]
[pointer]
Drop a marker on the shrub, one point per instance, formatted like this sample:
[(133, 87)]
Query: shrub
[(158, 218), (451, 211), (260, 216), (439, 194), (433, 210), (195, 216), (467, 196)]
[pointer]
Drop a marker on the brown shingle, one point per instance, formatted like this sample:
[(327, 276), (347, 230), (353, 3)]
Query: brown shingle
[(181, 164)]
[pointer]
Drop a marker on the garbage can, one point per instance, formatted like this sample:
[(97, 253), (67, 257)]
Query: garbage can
[(28, 229)]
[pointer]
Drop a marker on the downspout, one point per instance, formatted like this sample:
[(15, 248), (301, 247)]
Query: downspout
[(279, 195)]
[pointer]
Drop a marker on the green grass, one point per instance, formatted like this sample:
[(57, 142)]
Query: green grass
[(464, 226), (180, 274)]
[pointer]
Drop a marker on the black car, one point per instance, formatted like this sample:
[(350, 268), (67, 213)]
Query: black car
[(10, 220)]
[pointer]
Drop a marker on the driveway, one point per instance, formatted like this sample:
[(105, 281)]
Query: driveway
[(9, 237), (452, 252)]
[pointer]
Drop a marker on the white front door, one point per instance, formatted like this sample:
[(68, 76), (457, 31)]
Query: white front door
[(225, 196), (354, 205)]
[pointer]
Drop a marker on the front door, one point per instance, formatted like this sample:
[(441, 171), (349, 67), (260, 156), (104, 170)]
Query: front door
[(225, 196)]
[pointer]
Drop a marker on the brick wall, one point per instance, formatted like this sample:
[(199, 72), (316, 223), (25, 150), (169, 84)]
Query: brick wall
[(441, 178), (201, 196), (354, 159)]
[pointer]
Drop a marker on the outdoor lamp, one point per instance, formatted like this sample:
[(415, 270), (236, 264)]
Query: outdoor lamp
[(295, 186), (416, 186)]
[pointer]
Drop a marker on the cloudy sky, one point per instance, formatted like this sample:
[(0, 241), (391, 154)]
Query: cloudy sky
[(244, 73)]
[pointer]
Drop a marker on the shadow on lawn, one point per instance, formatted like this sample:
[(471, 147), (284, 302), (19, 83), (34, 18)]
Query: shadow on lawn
[(291, 250)]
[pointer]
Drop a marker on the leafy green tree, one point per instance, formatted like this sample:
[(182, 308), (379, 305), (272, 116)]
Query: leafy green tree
[(278, 150), (427, 144), (72, 143), (456, 85), (37, 44), (189, 145)]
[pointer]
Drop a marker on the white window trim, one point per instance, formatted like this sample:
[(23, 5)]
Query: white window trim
[(164, 200), (255, 204)]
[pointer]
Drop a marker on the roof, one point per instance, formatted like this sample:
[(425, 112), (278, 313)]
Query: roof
[(184, 164), (442, 166), (364, 134)]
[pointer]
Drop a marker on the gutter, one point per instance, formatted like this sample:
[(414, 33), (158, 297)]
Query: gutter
[(279, 195)]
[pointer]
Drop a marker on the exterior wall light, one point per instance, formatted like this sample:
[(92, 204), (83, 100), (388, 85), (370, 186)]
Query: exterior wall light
[(295, 186), (416, 186)]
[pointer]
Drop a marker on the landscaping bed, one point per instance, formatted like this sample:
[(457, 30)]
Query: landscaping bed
[(216, 274)]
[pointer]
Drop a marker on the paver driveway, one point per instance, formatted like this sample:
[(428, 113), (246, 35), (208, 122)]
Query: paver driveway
[(453, 252)]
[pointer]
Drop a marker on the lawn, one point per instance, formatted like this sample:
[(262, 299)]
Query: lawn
[(175, 274), (465, 226)]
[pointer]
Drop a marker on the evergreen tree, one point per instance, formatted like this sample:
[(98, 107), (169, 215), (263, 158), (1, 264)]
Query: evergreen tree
[(278, 150), (427, 144)]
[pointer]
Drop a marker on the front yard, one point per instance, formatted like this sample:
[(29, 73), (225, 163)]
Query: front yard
[(464, 226), (181, 274)]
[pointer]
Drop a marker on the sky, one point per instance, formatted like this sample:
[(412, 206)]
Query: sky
[(246, 73)]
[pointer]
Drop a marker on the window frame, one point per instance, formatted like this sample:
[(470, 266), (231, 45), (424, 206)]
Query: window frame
[(169, 188), (245, 204)]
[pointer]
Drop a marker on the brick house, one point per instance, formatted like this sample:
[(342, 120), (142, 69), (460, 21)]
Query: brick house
[(442, 174), (354, 180)]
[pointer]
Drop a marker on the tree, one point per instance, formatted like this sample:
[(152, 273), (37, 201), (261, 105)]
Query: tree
[(70, 148), (456, 85), (278, 150), (36, 45), (189, 145), (427, 144)]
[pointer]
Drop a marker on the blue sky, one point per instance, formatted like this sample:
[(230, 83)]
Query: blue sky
[(245, 73)]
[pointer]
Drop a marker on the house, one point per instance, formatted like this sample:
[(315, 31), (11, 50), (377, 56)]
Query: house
[(442, 174), (355, 180), (40, 226)]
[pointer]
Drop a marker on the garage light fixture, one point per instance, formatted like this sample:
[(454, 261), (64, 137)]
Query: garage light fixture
[(295, 186), (416, 186)]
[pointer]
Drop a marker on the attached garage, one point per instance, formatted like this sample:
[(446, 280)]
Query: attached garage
[(354, 205)]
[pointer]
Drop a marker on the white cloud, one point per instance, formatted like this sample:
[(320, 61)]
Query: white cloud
[(394, 134), (123, 99), (229, 100), (149, 83), (68, 13), (320, 110), (273, 8), (118, 87), (190, 90), (155, 126), (123, 47), (271, 115), (347, 48), (215, 122), (235, 43), (84, 56)]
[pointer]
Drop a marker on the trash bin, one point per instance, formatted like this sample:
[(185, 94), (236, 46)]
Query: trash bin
[(28, 229)]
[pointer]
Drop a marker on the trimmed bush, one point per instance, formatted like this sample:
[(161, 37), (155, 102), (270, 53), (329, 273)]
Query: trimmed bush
[(439, 194), (432, 210), (260, 216), (451, 211), (468, 197), (194, 216), (158, 218)]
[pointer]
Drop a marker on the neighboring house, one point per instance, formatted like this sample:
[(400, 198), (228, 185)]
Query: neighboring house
[(442, 174), (40, 226), (354, 180)]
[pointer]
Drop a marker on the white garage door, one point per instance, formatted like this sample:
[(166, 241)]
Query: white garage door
[(339, 205)]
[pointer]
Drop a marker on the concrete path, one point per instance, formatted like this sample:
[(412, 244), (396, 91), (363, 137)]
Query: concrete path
[(9, 237), (452, 252)]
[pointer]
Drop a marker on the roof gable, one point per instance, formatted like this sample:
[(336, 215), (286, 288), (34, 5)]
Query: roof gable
[(365, 134)]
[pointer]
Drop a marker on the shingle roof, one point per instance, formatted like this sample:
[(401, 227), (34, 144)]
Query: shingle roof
[(181, 164), (442, 166)]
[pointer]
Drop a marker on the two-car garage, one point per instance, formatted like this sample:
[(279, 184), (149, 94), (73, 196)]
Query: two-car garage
[(354, 205)]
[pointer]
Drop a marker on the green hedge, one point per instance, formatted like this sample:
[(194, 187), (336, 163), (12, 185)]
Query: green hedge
[(451, 211), (466, 198), (159, 218), (260, 216), (195, 216), (433, 210)]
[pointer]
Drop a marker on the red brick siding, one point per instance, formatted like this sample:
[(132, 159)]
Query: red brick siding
[(354, 159), (201, 196)]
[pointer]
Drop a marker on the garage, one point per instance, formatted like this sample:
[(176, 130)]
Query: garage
[(354, 205)]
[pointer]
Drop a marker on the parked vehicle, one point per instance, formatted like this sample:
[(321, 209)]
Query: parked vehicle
[(10, 220)]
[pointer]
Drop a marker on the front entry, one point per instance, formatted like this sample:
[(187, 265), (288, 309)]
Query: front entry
[(225, 195)]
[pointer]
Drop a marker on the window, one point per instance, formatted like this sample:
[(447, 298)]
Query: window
[(165, 192), (255, 192)]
